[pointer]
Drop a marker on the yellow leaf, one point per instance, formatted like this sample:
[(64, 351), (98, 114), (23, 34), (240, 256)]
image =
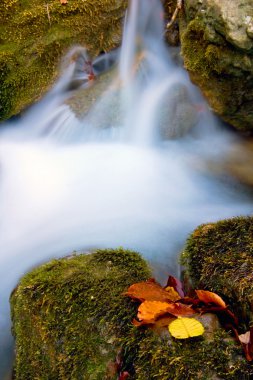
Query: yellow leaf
[(172, 293), (183, 328)]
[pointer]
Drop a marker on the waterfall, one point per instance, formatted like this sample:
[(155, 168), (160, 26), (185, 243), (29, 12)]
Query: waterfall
[(131, 171)]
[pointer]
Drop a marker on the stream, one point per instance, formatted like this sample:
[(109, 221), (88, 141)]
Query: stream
[(134, 171)]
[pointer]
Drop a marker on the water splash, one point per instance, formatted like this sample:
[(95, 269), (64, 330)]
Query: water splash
[(130, 172)]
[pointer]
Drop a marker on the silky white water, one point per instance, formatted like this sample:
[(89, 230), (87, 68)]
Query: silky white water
[(104, 181)]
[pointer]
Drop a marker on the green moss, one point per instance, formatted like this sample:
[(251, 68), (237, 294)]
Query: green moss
[(199, 54), (70, 319), (219, 257), (162, 358), (223, 73), (68, 313), (36, 34)]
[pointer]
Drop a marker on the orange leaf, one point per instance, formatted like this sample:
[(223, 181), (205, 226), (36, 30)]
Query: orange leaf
[(149, 311), (210, 297), (148, 291), (63, 2), (179, 309), (173, 295)]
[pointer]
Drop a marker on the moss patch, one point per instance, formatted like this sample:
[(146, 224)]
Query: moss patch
[(35, 34), (223, 73), (219, 257), (68, 314), (165, 359), (70, 318)]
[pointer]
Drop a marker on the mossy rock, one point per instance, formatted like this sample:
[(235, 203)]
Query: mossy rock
[(34, 34), (219, 257), (68, 314), (70, 318), (221, 66)]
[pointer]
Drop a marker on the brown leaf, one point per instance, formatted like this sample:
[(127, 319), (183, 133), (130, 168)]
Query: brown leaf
[(148, 291), (162, 322), (190, 301), (210, 297), (149, 311), (176, 284), (139, 323), (179, 309)]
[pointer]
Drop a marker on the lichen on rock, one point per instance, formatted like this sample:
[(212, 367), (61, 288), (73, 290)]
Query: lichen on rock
[(35, 34)]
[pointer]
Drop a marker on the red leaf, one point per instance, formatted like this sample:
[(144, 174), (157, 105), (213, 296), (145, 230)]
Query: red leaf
[(123, 375), (210, 297), (176, 284), (148, 291)]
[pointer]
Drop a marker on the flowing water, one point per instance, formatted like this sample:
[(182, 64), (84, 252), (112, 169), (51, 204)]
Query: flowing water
[(132, 172)]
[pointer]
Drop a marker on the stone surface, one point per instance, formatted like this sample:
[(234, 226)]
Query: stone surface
[(217, 48), (238, 163)]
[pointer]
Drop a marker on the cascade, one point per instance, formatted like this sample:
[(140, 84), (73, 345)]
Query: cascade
[(131, 172)]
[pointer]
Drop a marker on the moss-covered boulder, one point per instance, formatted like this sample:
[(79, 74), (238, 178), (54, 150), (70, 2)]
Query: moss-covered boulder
[(34, 34), (70, 319), (68, 314), (217, 47), (219, 257)]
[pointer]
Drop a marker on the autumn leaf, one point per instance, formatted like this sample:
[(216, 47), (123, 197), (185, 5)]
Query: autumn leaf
[(63, 2), (183, 328), (148, 291), (172, 293), (179, 309), (163, 322), (176, 284), (149, 311), (210, 297)]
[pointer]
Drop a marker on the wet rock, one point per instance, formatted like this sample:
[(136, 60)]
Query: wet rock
[(99, 102), (177, 113), (239, 162), (217, 47), (34, 36)]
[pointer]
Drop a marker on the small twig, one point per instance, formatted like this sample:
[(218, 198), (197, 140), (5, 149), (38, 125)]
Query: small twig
[(174, 16), (48, 14)]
